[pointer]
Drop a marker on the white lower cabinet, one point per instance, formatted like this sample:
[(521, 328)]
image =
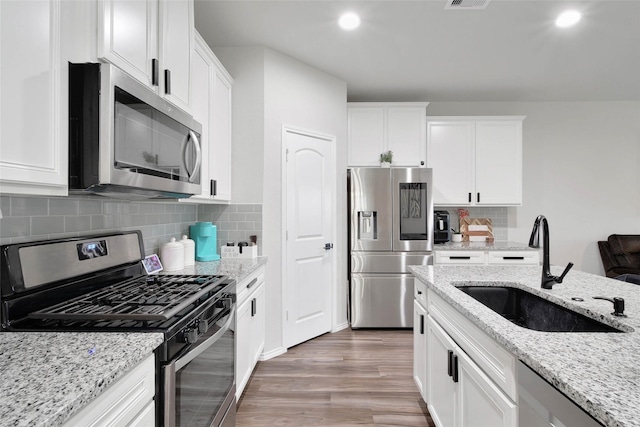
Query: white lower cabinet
[(128, 402), (460, 394), (250, 327), (420, 347)]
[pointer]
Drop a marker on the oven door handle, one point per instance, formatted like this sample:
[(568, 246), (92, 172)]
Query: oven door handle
[(184, 360)]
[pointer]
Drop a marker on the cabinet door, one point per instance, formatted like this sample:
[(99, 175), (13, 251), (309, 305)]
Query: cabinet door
[(442, 391), (220, 158), (406, 135), (243, 347), (498, 162), (257, 324), (176, 39), (201, 103), (34, 81), (420, 348), (481, 402), (450, 155), (128, 36), (365, 135)]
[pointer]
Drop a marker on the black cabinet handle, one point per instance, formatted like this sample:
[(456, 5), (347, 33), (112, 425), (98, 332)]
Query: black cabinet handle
[(513, 257), (450, 362), (167, 82), (455, 369), (213, 187), (419, 292), (422, 324), (478, 197), (253, 307), (154, 72), (459, 257), (251, 283), (421, 162), (469, 197)]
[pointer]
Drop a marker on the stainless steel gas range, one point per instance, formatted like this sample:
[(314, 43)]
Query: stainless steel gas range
[(98, 284)]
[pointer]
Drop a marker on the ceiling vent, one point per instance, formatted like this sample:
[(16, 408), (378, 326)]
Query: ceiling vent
[(466, 4)]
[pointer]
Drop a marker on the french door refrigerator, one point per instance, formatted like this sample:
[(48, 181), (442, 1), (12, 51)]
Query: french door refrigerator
[(390, 228)]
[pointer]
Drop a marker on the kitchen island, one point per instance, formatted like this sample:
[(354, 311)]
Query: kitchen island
[(598, 371)]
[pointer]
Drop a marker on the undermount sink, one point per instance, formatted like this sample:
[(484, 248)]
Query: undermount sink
[(533, 312)]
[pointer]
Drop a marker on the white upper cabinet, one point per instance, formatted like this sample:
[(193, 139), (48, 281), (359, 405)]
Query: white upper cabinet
[(33, 104), (476, 161), (376, 127), (152, 40), (211, 103)]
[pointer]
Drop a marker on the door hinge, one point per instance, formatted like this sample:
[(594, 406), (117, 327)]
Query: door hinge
[(287, 315), (286, 235), (286, 156)]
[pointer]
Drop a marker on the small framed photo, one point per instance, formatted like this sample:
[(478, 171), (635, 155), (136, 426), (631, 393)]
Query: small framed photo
[(152, 264)]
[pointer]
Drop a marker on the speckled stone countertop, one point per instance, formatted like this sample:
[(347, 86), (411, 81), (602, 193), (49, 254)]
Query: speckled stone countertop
[(483, 246), (235, 268), (47, 377), (600, 372)]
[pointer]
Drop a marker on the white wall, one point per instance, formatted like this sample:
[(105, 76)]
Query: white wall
[(581, 170), (295, 94)]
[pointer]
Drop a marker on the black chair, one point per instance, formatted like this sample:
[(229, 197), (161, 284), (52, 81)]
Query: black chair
[(620, 254)]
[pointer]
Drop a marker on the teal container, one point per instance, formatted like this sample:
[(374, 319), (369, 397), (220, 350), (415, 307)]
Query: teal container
[(205, 235)]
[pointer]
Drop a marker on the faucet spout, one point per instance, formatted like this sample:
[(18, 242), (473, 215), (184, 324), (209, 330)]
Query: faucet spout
[(548, 280)]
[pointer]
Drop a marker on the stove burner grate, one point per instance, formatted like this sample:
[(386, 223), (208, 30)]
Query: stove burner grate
[(147, 298)]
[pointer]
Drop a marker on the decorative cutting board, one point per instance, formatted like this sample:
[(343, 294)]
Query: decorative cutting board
[(476, 229)]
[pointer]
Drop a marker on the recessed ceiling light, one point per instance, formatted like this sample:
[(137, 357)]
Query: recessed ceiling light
[(349, 21), (568, 18)]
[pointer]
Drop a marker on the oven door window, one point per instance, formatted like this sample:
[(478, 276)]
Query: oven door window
[(204, 385), (149, 142)]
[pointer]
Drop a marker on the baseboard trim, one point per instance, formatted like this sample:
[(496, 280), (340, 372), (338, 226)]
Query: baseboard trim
[(272, 353), (340, 327)]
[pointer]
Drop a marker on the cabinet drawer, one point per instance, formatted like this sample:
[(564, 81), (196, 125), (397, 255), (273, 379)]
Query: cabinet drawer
[(460, 257), (420, 292), (246, 287), (496, 362), (514, 257)]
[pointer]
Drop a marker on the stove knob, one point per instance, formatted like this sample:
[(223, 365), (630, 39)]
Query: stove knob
[(190, 336), (203, 327)]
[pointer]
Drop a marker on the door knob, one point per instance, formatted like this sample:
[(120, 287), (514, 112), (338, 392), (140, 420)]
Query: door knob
[(328, 246)]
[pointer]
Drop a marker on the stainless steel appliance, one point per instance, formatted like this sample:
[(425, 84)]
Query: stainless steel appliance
[(127, 141), (97, 284), (441, 227), (390, 228)]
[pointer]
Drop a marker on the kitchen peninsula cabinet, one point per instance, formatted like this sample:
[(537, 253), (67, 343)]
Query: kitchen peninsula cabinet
[(34, 80), (128, 402), (250, 327), (152, 40), (212, 108), (476, 161), (376, 127)]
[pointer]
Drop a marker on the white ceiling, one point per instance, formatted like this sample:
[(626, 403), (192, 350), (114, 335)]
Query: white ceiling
[(419, 51)]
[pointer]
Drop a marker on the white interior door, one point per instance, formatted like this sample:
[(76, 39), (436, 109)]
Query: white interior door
[(309, 224)]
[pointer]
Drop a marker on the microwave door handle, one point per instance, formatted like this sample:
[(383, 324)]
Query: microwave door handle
[(184, 360), (192, 137)]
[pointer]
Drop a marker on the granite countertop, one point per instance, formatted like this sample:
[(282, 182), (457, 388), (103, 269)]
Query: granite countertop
[(599, 371), (483, 246), (47, 376), (235, 268)]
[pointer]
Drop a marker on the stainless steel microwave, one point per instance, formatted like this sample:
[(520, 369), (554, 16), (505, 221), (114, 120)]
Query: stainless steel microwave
[(126, 141)]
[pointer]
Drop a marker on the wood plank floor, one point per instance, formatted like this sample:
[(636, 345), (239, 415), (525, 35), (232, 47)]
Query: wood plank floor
[(349, 378)]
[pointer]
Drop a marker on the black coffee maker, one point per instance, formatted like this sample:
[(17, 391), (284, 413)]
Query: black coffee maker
[(441, 229)]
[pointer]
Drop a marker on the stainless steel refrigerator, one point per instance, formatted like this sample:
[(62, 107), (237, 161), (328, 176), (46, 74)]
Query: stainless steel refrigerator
[(390, 228)]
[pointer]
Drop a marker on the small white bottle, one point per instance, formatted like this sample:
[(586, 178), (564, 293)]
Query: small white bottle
[(172, 255), (189, 250)]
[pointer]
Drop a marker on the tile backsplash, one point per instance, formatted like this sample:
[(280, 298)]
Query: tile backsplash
[(39, 218), (498, 215)]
